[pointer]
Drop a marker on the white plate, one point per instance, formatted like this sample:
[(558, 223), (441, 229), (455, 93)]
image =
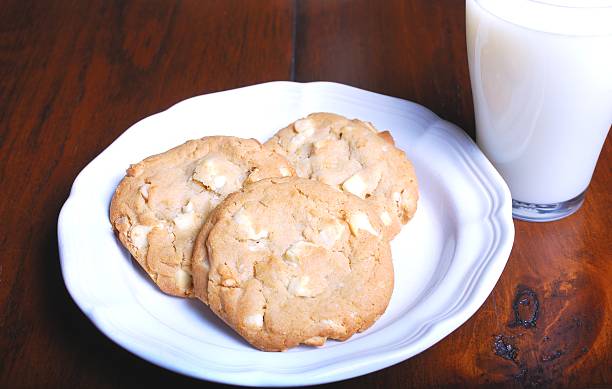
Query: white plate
[(447, 260)]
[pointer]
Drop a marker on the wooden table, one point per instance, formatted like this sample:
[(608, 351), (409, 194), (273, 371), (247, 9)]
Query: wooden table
[(75, 74)]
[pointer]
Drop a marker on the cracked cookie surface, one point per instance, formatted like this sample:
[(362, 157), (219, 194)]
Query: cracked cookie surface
[(289, 261), (162, 202), (353, 156)]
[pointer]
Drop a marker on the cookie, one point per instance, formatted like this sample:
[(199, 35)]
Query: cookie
[(352, 156), (289, 261), (161, 204)]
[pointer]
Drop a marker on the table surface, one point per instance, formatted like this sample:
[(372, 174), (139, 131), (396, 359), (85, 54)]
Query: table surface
[(75, 74)]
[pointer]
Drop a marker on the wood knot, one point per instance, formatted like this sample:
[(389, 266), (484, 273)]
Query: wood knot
[(526, 307)]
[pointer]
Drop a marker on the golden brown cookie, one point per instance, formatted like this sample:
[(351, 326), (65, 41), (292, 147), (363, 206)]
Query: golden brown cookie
[(161, 204), (289, 261), (352, 156)]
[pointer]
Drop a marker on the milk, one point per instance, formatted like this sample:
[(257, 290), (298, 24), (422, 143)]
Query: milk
[(541, 74)]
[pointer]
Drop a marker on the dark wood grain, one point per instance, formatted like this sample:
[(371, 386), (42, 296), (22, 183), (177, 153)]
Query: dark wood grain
[(75, 74), (402, 48)]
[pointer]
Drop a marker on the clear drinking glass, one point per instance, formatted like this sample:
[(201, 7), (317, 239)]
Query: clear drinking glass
[(541, 74)]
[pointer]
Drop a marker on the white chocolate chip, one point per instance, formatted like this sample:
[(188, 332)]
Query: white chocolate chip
[(185, 221), (396, 197), (246, 225), (229, 282), (305, 129), (297, 141), (304, 125), (385, 218), (188, 208), (360, 221), (315, 341), (284, 172), (333, 325), (183, 279), (365, 181), (355, 185), (218, 174), (254, 321), (298, 286), (242, 219), (331, 233), (219, 182), (138, 236), (297, 250), (257, 245), (144, 191)]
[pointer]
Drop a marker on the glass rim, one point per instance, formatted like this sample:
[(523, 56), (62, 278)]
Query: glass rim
[(547, 17), (579, 4)]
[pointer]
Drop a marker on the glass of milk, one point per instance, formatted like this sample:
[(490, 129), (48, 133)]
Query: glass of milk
[(541, 73)]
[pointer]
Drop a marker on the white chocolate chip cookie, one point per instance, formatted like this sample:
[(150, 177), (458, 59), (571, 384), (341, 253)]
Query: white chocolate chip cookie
[(161, 204), (352, 156), (289, 261)]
